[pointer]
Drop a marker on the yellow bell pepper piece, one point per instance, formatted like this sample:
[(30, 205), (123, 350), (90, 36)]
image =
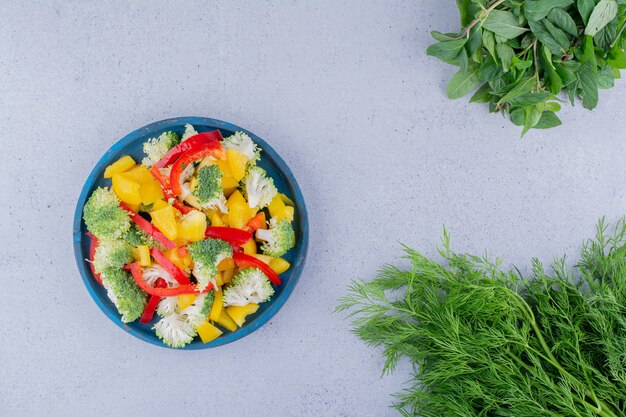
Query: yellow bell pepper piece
[(227, 263), (218, 303), (264, 258), (237, 162), (249, 248), (227, 275), (239, 313), (279, 265), (192, 226), (125, 189), (236, 197), (142, 254), (229, 182), (226, 322), (238, 214), (224, 167), (150, 191), (288, 201), (218, 279), (140, 174), (208, 332), (121, 165), (173, 256), (286, 213), (185, 300), (134, 207), (276, 206), (159, 204), (165, 220), (216, 220), (225, 219)]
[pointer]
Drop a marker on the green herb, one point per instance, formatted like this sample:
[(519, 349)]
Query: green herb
[(522, 54), (486, 342)]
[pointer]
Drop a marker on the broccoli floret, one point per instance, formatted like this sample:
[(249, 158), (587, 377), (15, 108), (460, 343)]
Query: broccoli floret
[(137, 237), (278, 239), (258, 188), (103, 215), (174, 330), (206, 255), (250, 285), (189, 132), (243, 143), (124, 292), (209, 190), (111, 253), (198, 312), (167, 306), (156, 148)]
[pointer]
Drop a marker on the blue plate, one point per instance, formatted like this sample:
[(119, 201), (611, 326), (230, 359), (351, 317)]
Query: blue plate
[(131, 145)]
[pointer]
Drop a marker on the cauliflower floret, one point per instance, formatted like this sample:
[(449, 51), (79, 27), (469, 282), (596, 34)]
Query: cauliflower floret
[(249, 286)]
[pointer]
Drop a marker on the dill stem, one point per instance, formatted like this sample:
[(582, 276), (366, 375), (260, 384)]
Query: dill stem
[(600, 408)]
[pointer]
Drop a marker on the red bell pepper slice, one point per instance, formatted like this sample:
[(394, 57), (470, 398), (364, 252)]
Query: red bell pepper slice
[(148, 227), (164, 180), (170, 267), (153, 302), (137, 273), (182, 251), (256, 222), (213, 148), (246, 261), (190, 143), (228, 234), (92, 253)]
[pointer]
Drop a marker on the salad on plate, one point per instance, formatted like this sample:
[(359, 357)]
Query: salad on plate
[(191, 239)]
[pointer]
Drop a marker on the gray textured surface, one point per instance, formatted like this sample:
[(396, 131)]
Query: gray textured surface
[(344, 91)]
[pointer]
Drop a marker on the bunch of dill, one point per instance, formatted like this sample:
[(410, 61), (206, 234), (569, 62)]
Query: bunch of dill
[(488, 342)]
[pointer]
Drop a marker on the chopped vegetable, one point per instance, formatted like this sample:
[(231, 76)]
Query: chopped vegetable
[(103, 215), (258, 188), (218, 305), (192, 226), (237, 162), (166, 221), (153, 302), (225, 321), (206, 255), (209, 191), (124, 293), (111, 253), (228, 234), (121, 165), (93, 246), (174, 330), (239, 313), (250, 285), (156, 148), (278, 239), (243, 144), (208, 332), (189, 132)]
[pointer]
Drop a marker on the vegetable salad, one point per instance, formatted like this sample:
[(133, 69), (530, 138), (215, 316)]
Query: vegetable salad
[(193, 234)]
